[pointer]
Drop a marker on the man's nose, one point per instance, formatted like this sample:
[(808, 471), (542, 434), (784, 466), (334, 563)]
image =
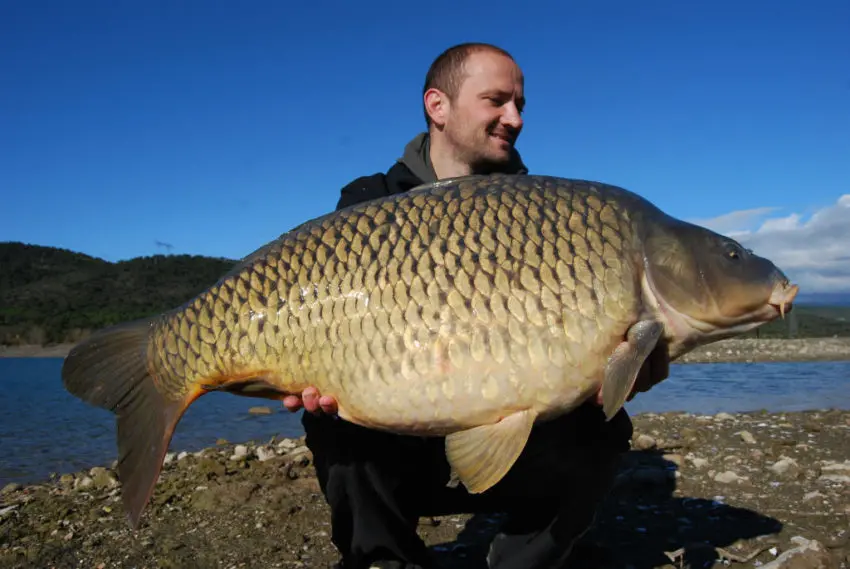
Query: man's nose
[(511, 117)]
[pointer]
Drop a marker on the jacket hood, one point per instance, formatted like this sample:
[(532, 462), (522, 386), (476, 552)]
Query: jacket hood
[(417, 158)]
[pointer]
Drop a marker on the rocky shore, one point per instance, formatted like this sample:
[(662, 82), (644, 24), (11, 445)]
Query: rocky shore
[(771, 350), (746, 490), (732, 350)]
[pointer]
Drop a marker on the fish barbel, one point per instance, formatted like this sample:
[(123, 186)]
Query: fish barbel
[(469, 308)]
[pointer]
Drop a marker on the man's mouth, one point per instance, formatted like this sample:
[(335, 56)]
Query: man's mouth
[(503, 137)]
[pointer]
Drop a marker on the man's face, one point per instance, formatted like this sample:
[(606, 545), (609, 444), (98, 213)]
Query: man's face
[(484, 120)]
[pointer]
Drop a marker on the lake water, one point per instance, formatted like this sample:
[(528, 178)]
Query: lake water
[(44, 429)]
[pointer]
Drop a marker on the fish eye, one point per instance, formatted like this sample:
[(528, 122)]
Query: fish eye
[(733, 251)]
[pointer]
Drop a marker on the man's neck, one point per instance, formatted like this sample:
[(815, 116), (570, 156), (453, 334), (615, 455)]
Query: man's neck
[(445, 162)]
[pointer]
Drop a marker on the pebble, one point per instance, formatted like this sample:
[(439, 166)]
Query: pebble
[(644, 442), (724, 417), (747, 437), (727, 477), (265, 453), (66, 480), (182, 455), (84, 482), (809, 554), (812, 495), (103, 478), (9, 488), (841, 478), (286, 444), (834, 468), (674, 458), (697, 461), (785, 466), (239, 451)]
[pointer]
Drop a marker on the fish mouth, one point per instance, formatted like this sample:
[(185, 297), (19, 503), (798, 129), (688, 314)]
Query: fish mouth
[(782, 298)]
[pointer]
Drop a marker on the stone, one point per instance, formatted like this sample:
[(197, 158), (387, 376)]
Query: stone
[(83, 483), (697, 461), (812, 495), (265, 453), (786, 467), (239, 451), (674, 458), (66, 481), (727, 477), (644, 442), (840, 478), (811, 554), (747, 437), (10, 487), (103, 478)]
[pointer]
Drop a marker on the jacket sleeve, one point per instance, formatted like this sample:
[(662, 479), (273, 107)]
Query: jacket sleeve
[(363, 189)]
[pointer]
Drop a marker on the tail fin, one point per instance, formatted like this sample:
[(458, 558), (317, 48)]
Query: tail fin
[(110, 370)]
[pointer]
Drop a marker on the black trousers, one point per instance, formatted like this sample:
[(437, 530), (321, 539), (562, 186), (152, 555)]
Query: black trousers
[(378, 485)]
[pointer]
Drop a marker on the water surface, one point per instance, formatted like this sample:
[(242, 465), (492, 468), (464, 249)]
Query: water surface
[(44, 429)]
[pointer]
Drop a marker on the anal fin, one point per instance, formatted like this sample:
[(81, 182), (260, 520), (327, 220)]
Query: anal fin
[(625, 364), (481, 456)]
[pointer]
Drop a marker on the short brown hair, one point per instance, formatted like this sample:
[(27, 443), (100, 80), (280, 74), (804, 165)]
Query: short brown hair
[(446, 72)]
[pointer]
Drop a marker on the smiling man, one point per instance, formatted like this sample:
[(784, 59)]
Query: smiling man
[(378, 484)]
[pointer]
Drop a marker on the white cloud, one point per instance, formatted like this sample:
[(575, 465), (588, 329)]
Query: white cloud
[(732, 222), (813, 252)]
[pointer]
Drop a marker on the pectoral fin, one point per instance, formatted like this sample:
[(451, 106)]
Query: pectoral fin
[(625, 363), (482, 455)]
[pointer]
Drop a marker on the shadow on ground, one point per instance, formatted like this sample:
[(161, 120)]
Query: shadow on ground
[(640, 521)]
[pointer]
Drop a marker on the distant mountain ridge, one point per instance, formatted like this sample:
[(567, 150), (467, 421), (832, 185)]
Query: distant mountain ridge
[(824, 298), (54, 295)]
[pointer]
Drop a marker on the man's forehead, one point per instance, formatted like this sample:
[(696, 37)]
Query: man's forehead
[(490, 67)]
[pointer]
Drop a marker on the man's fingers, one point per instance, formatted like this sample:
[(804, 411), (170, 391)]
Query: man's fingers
[(312, 402), (328, 404), (292, 403), (310, 397)]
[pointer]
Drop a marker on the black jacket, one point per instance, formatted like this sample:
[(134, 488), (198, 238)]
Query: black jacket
[(412, 169), (396, 180)]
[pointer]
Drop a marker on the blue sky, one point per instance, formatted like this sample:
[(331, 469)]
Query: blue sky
[(215, 126)]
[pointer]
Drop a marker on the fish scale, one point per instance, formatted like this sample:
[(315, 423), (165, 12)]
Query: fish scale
[(469, 308), (325, 323)]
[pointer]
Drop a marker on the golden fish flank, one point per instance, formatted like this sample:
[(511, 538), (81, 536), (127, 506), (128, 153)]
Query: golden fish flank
[(469, 308)]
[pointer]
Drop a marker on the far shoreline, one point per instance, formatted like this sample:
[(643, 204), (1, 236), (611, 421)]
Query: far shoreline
[(735, 350)]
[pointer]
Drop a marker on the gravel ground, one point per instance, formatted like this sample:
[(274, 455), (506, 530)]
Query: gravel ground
[(771, 350), (738, 490)]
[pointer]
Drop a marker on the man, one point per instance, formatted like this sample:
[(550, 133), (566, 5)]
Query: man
[(378, 484)]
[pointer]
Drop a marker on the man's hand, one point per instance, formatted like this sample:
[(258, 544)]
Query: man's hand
[(312, 401)]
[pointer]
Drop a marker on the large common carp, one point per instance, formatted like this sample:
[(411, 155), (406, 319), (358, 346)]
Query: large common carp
[(469, 308)]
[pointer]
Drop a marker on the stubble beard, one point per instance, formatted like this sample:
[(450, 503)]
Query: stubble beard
[(475, 152)]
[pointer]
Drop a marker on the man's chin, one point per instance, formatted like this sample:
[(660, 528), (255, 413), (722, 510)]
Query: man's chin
[(501, 144)]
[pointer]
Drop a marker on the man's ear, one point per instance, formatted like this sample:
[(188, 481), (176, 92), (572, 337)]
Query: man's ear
[(437, 106)]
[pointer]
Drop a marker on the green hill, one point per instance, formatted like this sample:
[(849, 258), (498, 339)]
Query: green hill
[(50, 295)]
